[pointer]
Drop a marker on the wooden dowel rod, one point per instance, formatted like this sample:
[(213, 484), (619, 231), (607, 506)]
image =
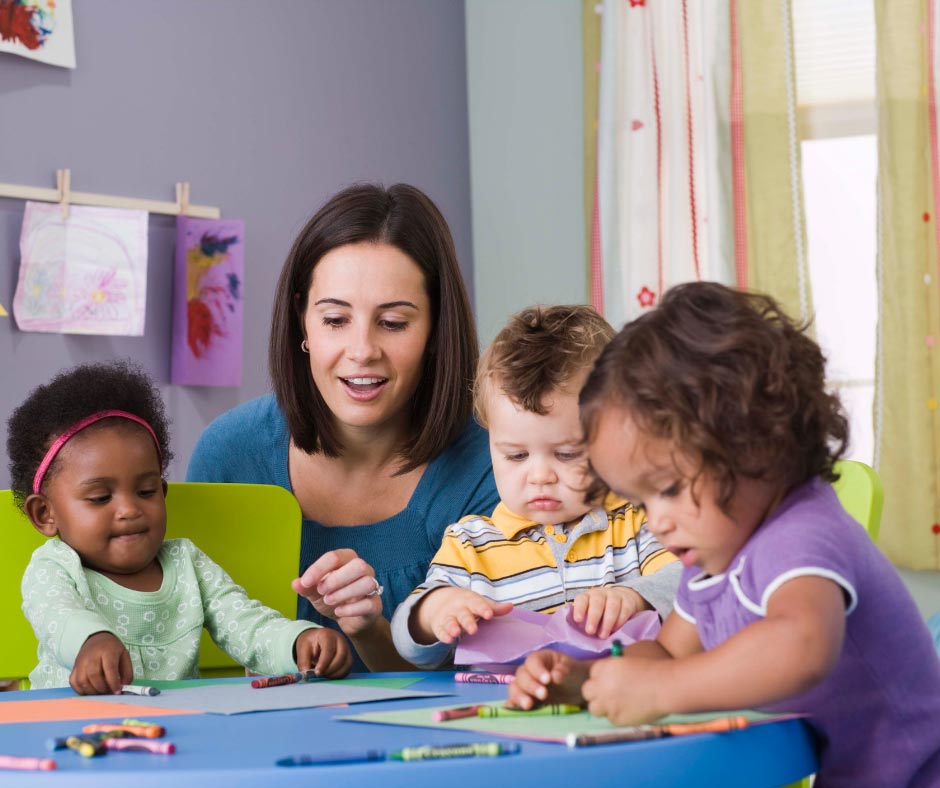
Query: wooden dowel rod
[(107, 201)]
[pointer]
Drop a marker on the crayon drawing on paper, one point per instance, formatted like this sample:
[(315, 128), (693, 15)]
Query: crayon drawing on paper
[(208, 302), (39, 30), (85, 274)]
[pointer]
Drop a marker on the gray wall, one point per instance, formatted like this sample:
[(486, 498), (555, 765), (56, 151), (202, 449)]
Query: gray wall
[(267, 109), (526, 155)]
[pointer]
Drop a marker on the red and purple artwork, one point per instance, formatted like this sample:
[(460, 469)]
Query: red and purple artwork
[(208, 305), (38, 29)]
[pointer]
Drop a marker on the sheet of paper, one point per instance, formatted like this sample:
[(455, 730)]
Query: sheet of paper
[(76, 708), (548, 729), (509, 639), (227, 698), (85, 274), (208, 302), (38, 30)]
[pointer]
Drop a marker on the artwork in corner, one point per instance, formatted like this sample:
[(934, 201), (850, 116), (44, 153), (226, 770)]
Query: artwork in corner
[(38, 29), (84, 274), (208, 311)]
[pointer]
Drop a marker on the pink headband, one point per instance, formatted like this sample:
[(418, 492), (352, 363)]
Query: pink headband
[(71, 431)]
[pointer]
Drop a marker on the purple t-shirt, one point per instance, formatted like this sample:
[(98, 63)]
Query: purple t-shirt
[(877, 714)]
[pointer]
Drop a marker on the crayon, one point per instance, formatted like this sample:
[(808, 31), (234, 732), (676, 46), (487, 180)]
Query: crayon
[(62, 742), (548, 710), (616, 649), (141, 745), (148, 731), (27, 764), (641, 732), (86, 746), (333, 758), (471, 677), (444, 715), (432, 752), (289, 678), (139, 689)]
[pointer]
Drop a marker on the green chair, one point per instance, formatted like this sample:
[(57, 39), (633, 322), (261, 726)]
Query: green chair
[(861, 494), (251, 530)]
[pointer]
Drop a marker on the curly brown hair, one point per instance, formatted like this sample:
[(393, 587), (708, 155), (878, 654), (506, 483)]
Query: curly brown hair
[(728, 379), (541, 349)]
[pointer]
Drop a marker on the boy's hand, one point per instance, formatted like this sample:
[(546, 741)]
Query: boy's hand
[(548, 677), (446, 613), (627, 690), (324, 651), (102, 667), (607, 608)]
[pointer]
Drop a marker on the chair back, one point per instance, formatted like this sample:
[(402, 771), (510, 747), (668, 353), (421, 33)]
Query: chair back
[(251, 530), (861, 494)]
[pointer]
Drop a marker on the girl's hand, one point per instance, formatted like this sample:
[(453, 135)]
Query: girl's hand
[(447, 613), (102, 666), (323, 650), (548, 677), (341, 586), (627, 690), (605, 609)]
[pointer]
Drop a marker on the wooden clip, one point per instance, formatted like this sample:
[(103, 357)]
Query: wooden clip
[(63, 180), (182, 198)]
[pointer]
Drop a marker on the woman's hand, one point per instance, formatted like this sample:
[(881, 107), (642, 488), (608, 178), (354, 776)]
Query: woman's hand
[(605, 609), (323, 650), (102, 667), (342, 586), (548, 677)]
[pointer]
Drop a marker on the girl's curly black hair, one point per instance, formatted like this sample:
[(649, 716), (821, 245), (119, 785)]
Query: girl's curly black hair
[(729, 378), (68, 398)]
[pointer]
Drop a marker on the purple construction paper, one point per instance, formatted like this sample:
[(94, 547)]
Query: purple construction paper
[(509, 639), (208, 302)]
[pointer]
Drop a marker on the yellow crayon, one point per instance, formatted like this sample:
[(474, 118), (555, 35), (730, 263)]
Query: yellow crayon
[(549, 710)]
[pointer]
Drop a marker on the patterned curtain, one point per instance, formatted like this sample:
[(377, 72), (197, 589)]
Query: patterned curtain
[(697, 166), (907, 378)]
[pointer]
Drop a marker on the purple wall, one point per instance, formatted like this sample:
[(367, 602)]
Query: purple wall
[(267, 108)]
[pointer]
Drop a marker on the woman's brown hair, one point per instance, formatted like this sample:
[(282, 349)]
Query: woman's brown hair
[(404, 217), (727, 378)]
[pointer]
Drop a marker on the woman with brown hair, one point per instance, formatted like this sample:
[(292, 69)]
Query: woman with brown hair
[(372, 354)]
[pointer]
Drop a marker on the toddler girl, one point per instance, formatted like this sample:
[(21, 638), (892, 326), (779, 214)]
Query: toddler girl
[(711, 412), (110, 600)]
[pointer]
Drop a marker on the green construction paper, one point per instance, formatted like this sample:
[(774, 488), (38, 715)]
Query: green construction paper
[(551, 729)]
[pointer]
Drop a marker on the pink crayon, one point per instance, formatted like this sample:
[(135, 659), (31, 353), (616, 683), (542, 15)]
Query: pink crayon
[(444, 715), (29, 764), (141, 745), (471, 677)]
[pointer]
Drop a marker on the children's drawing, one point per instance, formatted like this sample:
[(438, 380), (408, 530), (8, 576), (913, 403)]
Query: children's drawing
[(85, 274), (207, 302), (38, 29)]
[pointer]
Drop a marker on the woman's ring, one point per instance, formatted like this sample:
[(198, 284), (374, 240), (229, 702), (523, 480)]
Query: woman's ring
[(377, 590)]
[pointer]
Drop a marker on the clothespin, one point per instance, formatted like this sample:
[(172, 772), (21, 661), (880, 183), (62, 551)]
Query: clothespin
[(63, 180), (182, 198)]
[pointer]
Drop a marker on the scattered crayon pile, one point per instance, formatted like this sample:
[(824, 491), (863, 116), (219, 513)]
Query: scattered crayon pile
[(129, 734)]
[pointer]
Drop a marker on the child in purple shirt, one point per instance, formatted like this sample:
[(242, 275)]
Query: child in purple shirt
[(711, 411)]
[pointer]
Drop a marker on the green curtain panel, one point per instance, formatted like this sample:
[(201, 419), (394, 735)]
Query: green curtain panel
[(907, 434)]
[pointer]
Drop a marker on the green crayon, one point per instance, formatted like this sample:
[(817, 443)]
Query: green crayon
[(549, 710), (477, 749)]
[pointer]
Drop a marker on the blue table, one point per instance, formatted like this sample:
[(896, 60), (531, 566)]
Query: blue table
[(240, 750)]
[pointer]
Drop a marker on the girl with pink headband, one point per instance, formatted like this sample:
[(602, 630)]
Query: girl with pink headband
[(112, 600)]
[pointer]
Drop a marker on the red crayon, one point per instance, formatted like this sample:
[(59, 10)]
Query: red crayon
[(28, 764), (444, 715)]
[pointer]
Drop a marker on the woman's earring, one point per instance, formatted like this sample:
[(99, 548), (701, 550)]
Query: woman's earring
[(304, 346)]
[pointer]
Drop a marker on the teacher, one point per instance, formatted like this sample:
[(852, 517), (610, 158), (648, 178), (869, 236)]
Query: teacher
[(372, 354)]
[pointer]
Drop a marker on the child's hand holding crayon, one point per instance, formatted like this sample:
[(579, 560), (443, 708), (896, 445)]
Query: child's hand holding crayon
[(102, 667), (324, 651), (548, 677)]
